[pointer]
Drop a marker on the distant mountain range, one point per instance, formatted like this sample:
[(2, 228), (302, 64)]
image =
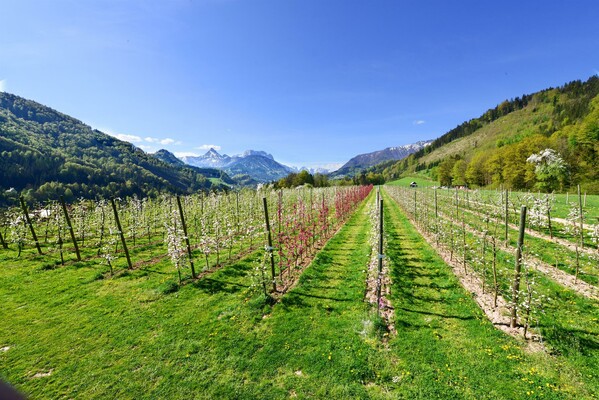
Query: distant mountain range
[(261, 166), (258, 165), (170, 158), (45, 154), (364, 161)]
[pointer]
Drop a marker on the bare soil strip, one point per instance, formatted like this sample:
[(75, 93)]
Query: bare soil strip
[(500, 315), (563, 278)]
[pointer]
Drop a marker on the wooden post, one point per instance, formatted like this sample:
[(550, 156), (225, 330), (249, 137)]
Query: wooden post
[(70, 226), (549, 218), (118, 225), (581, 219), (464, 255), (436, 207), (237, 211), (495, 284), (26, 212), (483, 260), (516, 284), (457, 205), (269, 248), (184, 225), (415, 209), (380, 256), (4, 245), (507, 213)]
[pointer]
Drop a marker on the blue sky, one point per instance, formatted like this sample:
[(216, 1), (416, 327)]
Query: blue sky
[(313, 82)]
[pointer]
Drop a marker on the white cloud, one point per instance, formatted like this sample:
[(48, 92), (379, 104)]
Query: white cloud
[(147, 149), (165, 141), (124, 137), (138, 139), (180, 154), (208, 147), (419, 122), (168, 141), (2, 85)]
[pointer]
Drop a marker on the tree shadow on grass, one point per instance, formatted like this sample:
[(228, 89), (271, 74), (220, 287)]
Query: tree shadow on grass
[(413, 278), (300, 300), (154, 271), (567, 340), (461, 317), (236, 270), (213, 286)]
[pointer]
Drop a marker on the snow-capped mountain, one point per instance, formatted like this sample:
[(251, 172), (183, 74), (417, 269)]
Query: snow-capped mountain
[(313, 171), (212, 159), (259, 165), (363, 161)]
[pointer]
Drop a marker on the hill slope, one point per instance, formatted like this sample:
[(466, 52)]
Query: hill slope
[(45, 153), (363, 161), (492, 150)]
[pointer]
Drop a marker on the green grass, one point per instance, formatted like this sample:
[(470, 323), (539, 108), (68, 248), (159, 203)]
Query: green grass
[(564, 203), (131, 336), (447, 346), (405, 182), (139, 335), (545, 250)]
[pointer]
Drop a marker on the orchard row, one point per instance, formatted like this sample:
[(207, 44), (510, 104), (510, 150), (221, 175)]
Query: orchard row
[(198, 232), (512, 270)]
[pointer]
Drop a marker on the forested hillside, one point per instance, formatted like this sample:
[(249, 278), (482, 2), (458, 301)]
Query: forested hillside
[(44, 154), (559, 126)]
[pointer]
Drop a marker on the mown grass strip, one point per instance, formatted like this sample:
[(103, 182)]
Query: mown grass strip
[(444, 344), (71, 334)]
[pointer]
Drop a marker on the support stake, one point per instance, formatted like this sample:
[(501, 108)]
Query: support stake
[(516, 284), (4, 245), (270, 248), (118, 225), (379, 280), (70, 226), (184, 225), (26, 212), (581, 219)]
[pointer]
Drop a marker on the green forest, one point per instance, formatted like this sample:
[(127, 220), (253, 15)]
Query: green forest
[(496, 148), (45, 154)]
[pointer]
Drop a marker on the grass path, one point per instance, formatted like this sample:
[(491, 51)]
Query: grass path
[(446, 347), (71, 335)]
